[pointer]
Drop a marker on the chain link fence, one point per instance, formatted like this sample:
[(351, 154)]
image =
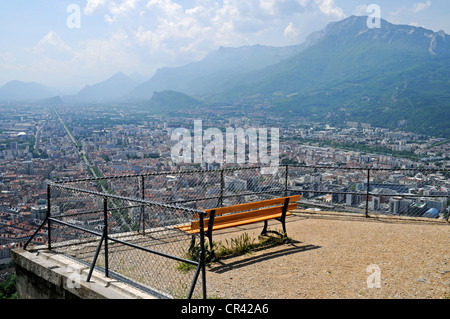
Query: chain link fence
[(107, 233), (126, 226), (415, 192)]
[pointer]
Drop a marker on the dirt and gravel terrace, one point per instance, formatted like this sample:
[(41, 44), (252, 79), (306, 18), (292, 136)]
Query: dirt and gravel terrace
[(339, 256), (331, 255)]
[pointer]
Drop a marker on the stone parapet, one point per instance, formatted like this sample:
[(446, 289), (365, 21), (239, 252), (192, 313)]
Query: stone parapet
[(41, 274)]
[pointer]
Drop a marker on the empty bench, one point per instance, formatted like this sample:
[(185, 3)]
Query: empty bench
[(243, 214)]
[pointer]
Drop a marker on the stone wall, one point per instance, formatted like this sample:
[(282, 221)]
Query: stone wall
[(41, 274)]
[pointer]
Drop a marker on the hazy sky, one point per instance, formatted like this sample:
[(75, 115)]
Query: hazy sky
[(68, 44)]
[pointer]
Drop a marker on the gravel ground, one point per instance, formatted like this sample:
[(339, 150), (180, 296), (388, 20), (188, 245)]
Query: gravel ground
[(339, 257)]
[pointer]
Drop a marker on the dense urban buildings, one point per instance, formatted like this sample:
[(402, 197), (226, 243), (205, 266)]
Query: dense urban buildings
[(47, 143)]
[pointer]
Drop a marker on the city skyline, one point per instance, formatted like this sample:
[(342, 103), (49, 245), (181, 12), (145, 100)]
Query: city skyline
[(68, 44)]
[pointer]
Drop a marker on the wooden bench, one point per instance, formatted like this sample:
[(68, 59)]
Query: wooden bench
[(243, 214)]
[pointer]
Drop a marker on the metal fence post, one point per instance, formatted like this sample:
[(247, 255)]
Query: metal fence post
[(222, 186), (49, 209), (286, 180), (202, 259), (203, 253), (367, 192), (143, 206), (105, 233)]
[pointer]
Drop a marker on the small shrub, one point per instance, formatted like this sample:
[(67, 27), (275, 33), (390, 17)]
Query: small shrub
[(240, 245), (244, 244), (194, 255), (237, 246), (273, 240)]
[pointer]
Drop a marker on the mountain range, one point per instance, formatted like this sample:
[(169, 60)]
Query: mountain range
[(106, 91), (392, 76), (215, 72), (25, 91)]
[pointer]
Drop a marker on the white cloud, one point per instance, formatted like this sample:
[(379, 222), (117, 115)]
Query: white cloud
[(110, 19), (174, 27), (92, 5), (94, 59), (125, 6), (51, 43), (421, 6), (143, 35), (107, 56), (360, 10), (268, 5), (291, 33), (329, 8), (167, 7), (173, 32), (9, 62)]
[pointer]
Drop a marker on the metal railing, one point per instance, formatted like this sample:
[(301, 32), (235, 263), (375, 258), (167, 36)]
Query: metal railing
[(95, 219), (409, 192), (94, 237)]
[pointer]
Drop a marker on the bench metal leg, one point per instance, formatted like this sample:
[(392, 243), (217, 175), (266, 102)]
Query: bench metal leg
[(192, 246), (212, 255), (286, 239), (283, 224), (282, 220), (264, 231)]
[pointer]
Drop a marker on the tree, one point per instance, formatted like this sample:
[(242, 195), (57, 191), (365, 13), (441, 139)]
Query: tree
[(8, 288)]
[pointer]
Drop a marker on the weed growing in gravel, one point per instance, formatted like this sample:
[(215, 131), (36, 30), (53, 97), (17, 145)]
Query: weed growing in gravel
[(240, 245), (244, 244)]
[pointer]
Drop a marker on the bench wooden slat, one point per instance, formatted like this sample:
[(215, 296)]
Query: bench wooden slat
[(249, 221), (187, 228), (242, 214), (245, 216), (229, 224), (248, 206)]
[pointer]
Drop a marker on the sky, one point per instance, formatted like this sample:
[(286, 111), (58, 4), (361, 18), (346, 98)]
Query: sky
[(67, 44)]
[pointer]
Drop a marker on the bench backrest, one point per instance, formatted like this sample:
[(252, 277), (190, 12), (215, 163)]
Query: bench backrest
[(264, 207), (252, 205)]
